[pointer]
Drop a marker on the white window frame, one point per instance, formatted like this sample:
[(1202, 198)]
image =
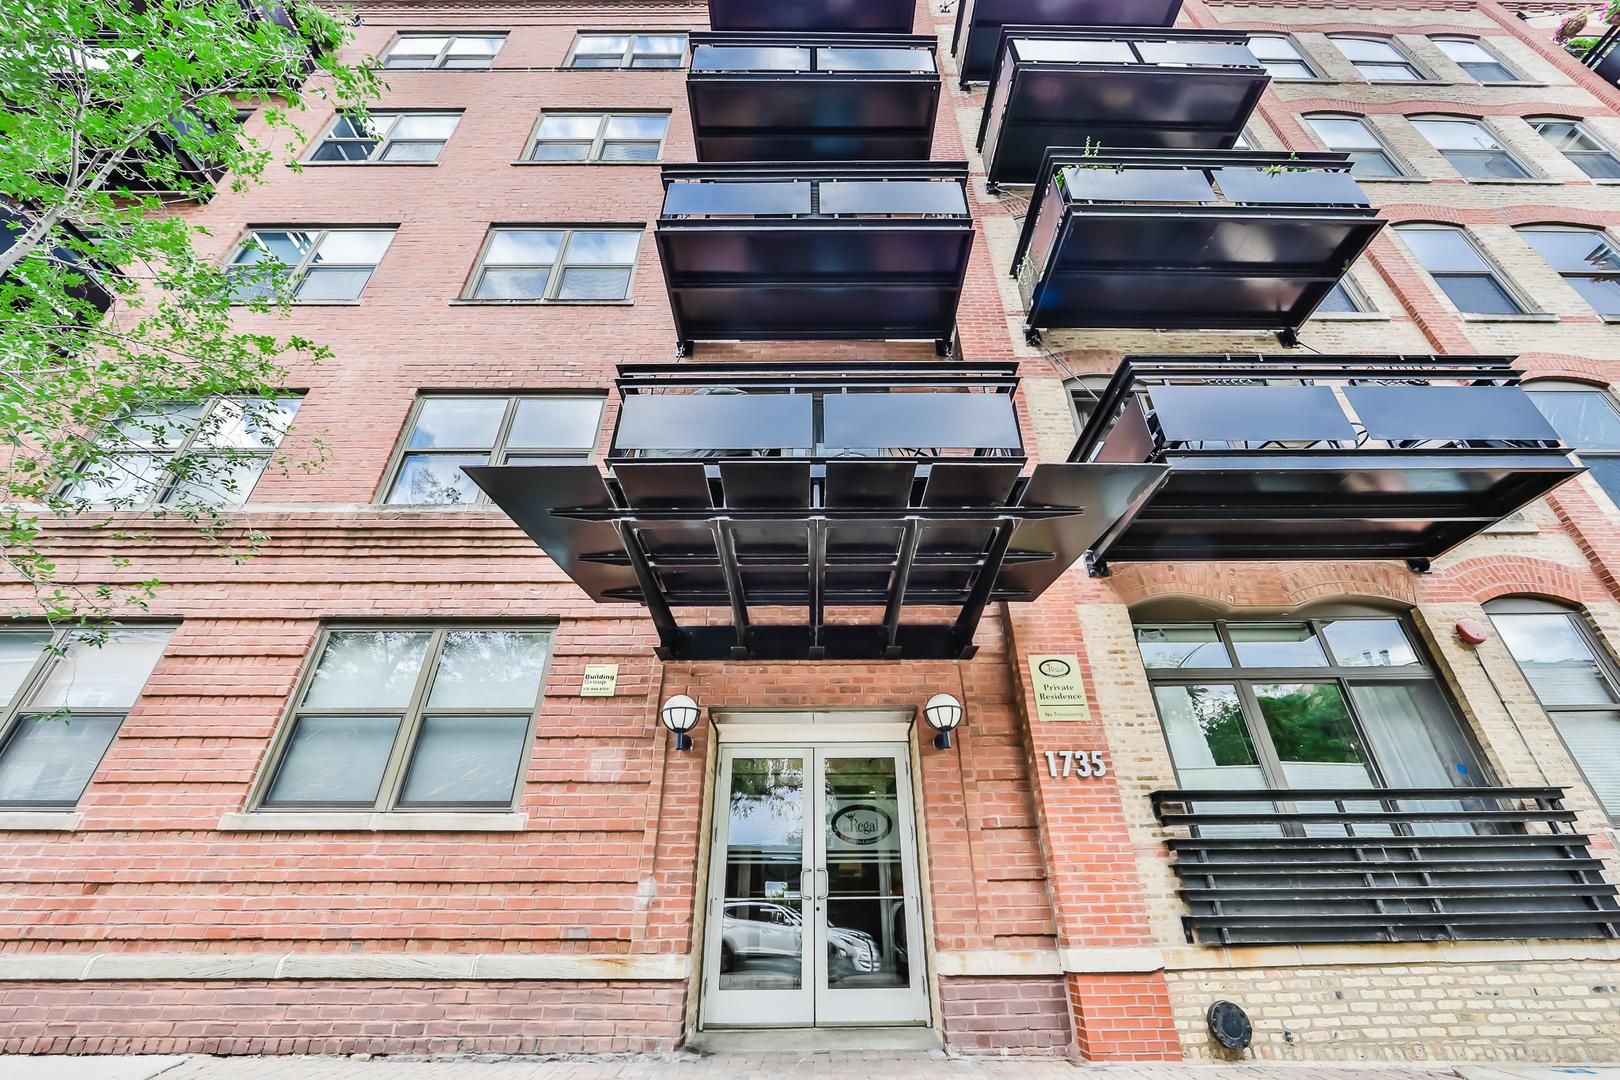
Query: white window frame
[(1304, 58), (1359, 302), (1423, 73), (1493, 269), (1401, 166), (1584, 230), (1517, 76), (1585, 131), (1502, 147), (469, 293), (445, 53), (383, 141), (296, 272), (594, 154), (627, 58)]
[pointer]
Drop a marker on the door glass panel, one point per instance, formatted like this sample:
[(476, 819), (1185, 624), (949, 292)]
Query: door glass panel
[(1419, 745), (1212, 750), (762, 921), (1317, 746), (866, 907)]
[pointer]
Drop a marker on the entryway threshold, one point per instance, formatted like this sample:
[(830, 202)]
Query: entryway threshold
[(848, 1037)]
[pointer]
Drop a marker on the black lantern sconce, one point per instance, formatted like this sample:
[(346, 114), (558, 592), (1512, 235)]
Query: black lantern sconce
[(944, 714), (680, 715)]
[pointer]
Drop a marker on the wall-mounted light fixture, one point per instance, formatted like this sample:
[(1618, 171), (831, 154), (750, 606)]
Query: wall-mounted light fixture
[(943, 714), (680, 715)]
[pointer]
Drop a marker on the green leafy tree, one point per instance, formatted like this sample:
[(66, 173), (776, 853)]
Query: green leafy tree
[(114, 115)]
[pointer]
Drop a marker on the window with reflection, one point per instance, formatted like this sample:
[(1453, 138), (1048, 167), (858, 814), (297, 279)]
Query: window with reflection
[(650, 50), (1586, 418), (1280, 56), (1574, 141), (63, 697), (1369, 157), (447, 431), (1345, 703), (1574, 678), (1472, 149), (1461, 270), (1473, 57), (1379, 60), (403, 718), (1585, 258)]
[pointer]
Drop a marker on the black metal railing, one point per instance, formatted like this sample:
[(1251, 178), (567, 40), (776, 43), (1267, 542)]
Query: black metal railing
[(1382, 865), (1604, 58)]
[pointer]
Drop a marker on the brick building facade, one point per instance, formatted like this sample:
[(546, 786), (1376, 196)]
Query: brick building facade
[(184, 902)]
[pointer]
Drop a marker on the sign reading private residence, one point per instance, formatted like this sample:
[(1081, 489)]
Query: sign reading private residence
[(1059, 692), (601, 680)]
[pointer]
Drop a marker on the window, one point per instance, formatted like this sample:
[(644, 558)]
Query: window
[(1344, 297), (448, 432), (1477, 60), (387, 137), (411, 719), (62, 699), (628, 50), (1575, 680), (319, 264), (1346, 134), (1459, 268), (1280, 56), (187, 452), (1472, 150), (1584, 417), (556, 264), (442, 51), (1346, 702), (1379, 61), (1587, 261), (599, 137), (1580, 146)]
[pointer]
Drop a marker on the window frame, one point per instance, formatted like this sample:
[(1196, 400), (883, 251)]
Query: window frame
[(1402, 167), (376, 155), (594, 155), (554, 279), (1565, 275), (1493, 270), (1424, 75), (1503, 146), (167, 480), (1244, 678), (627, 58), (15, 712), (1585, 131), (299, 271), (1512, 69), (497, 449), (1581, 619), (408, 736), (443, 54), (1360, 303), (1304, 59), (1607, 394)]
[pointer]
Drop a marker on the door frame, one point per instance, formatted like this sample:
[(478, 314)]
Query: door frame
[(809, 727)]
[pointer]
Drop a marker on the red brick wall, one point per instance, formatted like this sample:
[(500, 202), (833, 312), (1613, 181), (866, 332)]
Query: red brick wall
[(1026, 1015)]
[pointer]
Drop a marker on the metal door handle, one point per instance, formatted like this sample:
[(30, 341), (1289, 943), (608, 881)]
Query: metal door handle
[(826, 881), (802, 893)]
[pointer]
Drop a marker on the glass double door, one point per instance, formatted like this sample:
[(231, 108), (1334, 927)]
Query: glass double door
[(813, 913)]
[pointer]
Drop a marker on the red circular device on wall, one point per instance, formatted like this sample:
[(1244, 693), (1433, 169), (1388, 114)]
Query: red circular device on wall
[(1472, 631)]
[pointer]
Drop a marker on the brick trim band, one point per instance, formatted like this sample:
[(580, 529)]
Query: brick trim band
[(503, 967)]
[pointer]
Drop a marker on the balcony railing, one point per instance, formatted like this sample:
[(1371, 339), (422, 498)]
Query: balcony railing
[(1188, 239), (807, 250), (1063, 86), (1384, 865), (979, 23), (811, 487), (1321, 457), (858, 16), (813, 97)]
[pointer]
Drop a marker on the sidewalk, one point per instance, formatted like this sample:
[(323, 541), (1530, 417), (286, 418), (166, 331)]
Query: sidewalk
[(837, 1065)]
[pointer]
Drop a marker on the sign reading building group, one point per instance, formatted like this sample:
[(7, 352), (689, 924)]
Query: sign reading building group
[(1059, 693), (601, 680)]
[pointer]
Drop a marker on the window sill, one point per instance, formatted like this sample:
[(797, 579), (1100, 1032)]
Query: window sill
[(1537, 317), (1517, 83), (40, 820), (1611, 319), (1309, 82), (1532, 181), (1607, 180), (1392, 179), (1350, 316), (395, 821), (576, 164), (1408, 82), (542, 303), (313, 303), (366, 164)]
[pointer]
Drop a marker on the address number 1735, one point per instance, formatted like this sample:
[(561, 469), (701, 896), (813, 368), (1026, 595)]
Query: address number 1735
[(1078, 762)]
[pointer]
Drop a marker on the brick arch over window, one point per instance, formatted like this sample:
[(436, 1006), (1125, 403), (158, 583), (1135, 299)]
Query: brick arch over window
[(1270, 585), (1558, 215), (1551, 365), (1488, 577)]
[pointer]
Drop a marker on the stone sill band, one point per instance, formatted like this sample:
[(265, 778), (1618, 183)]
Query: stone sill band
[(365, 822)]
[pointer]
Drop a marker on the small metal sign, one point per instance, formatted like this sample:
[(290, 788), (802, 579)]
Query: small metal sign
[(601, 680), (1059, 692)]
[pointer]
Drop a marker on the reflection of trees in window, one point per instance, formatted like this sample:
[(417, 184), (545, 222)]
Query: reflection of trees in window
[(1220, 717), (1309, 722), (774, 785)]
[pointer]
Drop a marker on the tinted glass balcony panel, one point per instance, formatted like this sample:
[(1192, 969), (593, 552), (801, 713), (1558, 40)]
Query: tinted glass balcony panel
[(863, 16), (1179, 89), (813, 97), (978, 23), (979, 421), (1107, 248), (729, 422), (1282, 469), (883, 256)]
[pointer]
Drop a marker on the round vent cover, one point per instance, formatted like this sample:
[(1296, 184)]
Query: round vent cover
[(1230, 1024)]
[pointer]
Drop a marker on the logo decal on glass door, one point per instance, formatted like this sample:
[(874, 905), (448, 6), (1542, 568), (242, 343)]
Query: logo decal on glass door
[(863, 825)]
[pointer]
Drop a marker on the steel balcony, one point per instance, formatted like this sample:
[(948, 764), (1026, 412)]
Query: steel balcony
[(813, 97), (979, 23), (1065, 86), (814, 487), (1320, 457), (811, 250), (91, 290), (1188, 239), (860, 16)]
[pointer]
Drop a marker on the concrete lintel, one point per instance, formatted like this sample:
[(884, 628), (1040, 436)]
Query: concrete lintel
[(40, 820), (1196, 958), (1112, 961), (461, 967), (999, 962), (366, 822)]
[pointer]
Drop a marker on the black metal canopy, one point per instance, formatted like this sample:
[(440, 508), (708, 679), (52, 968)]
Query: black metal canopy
[(1140, 88), (866, 16), (742, 486), (812, 250), (797, 96), (1320, 457), (979, 23), (1188, 239)]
